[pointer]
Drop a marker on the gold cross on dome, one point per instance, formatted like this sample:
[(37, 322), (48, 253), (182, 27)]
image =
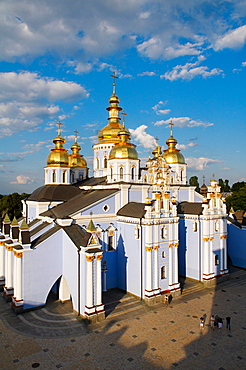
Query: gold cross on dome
[(114, 83), (59, 127), (171, 128), (123, 117), (76, 136)]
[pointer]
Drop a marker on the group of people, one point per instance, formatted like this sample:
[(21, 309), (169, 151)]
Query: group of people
[(216, 321)]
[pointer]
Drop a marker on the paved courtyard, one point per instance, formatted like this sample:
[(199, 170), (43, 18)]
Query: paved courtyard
[(133, 336)]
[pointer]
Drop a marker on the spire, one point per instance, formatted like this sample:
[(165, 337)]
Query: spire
[(58, 155), (91, 227), (172, 154), (24, 225), (114, 83), (76, 159)]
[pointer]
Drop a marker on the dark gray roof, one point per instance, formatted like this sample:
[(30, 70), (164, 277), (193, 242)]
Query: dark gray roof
[(39, 228), (79, 202), (93, 250), (92, 181), (33, 222), (54, 193), (18, 247), (45, 236), (78, 235), (132, 209), (190, 208), (234, 222)]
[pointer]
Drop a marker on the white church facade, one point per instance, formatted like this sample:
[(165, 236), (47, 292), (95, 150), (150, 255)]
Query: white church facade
[(127, 227)]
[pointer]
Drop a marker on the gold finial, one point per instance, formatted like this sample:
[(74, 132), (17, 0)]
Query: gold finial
[(171, 129), (203, 179), (123, 118), (76, 136), (114, 83), (59, 127)]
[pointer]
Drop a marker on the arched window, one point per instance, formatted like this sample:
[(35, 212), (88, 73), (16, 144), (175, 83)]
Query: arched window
[(54, 176), (163, 272), (105, 162), (132, 173), (97, 163), (216, 260), (121, 173), (111, 173)]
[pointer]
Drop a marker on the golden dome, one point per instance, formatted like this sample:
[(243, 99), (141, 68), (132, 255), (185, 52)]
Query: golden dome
[(124, 149), (59, 155), (109, 134), (76, 159), (172, 154)]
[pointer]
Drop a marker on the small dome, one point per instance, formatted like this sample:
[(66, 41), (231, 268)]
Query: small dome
[(173, 157), (59, 155), (123, 152), (76, 159), (172, 154)]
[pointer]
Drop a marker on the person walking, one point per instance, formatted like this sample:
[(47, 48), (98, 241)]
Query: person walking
[(166, 299), (202, 323), (220, 323), (228, 322), (212, 320)]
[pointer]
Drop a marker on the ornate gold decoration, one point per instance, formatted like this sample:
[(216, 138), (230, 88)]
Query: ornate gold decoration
[(212, 238), (90, 258), (167, 196), (172, 154), (58, 156), (8, 247), (156, 247), (99, 257), (148, 249), (223, 236), (2, 243), (18, 254), (205, 240), (170, 245), (176, 245)]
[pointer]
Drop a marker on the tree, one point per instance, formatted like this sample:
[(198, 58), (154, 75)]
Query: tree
[(238, 185), (194, 182), (227, 186), (222, 185), (237, 200), (11, 204)]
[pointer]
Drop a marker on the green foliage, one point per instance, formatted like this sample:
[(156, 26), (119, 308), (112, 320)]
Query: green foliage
[(224, 185), (238, 185), (194, 182), (237, 200), (11, 204)]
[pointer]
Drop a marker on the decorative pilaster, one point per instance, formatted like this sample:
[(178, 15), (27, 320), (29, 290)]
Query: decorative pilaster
[(89, 307), (170, 267), (148, 290), (99, 305), (2, 265), (156, 288), (17, 300), (8, 289)]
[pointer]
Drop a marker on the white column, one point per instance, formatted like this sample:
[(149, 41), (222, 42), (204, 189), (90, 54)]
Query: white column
[(206, 249), (148, 289), (9, 272), (156, 270), (99, 280), (211, 254), (221, 225), (89, 285), (18, 276), (170, 272), (2, 263)]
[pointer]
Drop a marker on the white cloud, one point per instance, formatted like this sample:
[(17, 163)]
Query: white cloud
[(185, 147), (22, 180), (244, 64), (198, 164), (232, 39), (27, 100), (140, 135), (191, 70), (158, 111), (147, 73), (85, 30), (183, 122)]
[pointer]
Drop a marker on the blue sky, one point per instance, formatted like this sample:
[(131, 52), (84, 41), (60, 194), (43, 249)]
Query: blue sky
[(184, 61)]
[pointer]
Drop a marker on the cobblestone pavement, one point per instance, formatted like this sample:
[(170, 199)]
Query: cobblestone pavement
[(133, 336)]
